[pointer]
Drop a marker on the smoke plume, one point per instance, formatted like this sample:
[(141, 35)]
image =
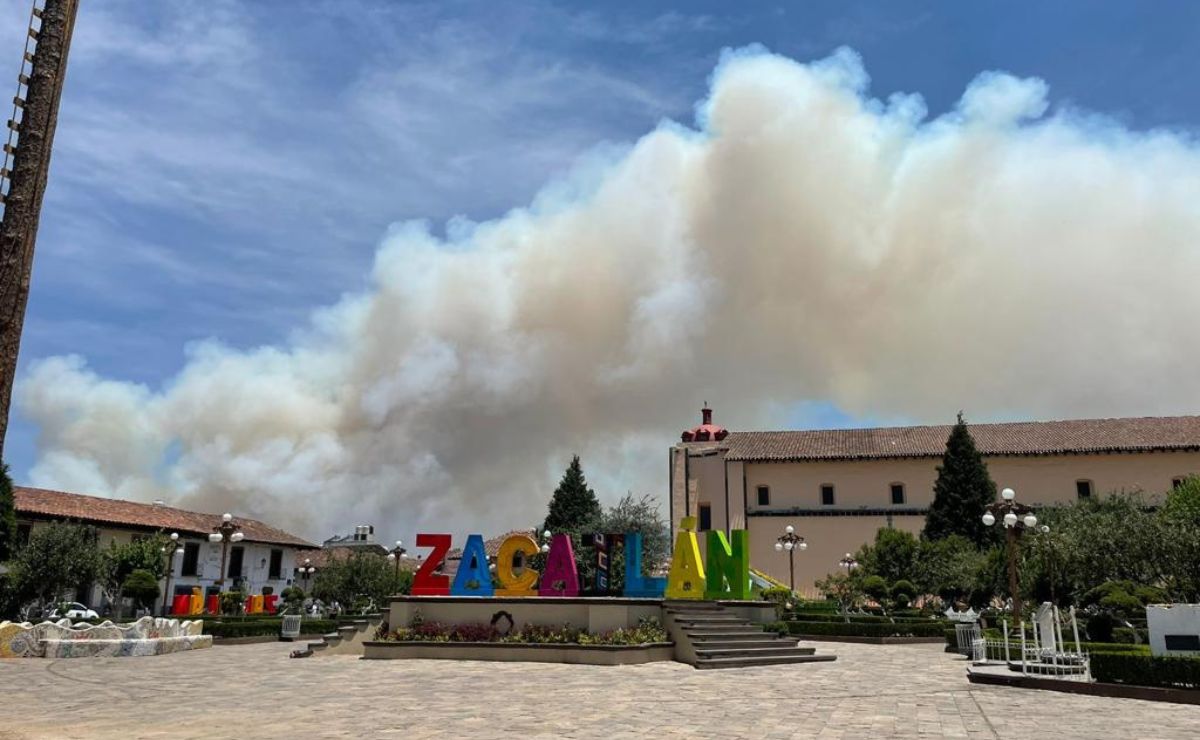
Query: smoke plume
[(803, 241)]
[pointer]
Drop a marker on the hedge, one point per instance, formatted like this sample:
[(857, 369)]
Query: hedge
[(861, 629), (1146, 670), (1014, 645), (255, 628), (854, 618)]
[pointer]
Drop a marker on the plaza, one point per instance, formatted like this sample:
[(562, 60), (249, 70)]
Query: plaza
[(871, 691)]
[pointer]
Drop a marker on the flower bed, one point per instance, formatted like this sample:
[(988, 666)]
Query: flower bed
[(534, 643), (647, 632)]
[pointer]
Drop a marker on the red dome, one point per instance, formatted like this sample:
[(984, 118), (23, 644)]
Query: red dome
[(707, 431)]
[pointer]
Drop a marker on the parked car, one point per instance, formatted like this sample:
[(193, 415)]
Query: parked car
[(73, 610)]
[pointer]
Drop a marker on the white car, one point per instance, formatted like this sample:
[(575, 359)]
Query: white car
[(73, 610)]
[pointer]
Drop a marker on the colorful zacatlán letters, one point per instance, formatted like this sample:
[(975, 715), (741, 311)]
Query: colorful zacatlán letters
[(725, 574)]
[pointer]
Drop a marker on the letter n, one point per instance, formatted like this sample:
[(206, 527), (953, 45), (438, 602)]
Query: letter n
[(728, 569)]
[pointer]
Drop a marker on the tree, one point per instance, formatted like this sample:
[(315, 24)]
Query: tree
[(948, 568), (962, 490), (641, 516), (573, 507), (142, 587), (844, 588), (145, 554), (360, 578), (60, 557), (893, 556), (8, 515)]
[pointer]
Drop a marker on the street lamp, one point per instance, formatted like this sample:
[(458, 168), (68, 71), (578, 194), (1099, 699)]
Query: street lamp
[(306, 571), (170, 550), (546, 541), (849, 562), (1017, 519), (226, 533), (395, 554), (791, 542)]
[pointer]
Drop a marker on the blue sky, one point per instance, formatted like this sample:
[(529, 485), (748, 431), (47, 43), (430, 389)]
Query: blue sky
[(221, 169)]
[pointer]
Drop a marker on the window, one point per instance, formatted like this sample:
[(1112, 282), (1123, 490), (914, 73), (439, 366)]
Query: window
[(827, 495), (276, 564), (764, 496), (191, 559), (897, 494), (1083, 488), (705, 517), (235, 562)]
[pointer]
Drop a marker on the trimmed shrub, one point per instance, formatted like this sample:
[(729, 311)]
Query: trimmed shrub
[(1099, 627), (1146, 670), (856, 618), (261, 627), (899, 629)]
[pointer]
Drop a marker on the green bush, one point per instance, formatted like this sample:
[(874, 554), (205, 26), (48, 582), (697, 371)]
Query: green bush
[(780, 597), (260, 627), (1146, 670), (899, 629), (142, 587), (1099, 627)]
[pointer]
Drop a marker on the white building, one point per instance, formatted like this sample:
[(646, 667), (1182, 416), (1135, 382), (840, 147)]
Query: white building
[(265, 556)]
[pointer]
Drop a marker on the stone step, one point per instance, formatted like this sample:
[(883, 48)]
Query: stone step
[(701, 623), (693, 605), (709, 663), (332, 638), (711, 620), (707, 616), (726, 634), (317, 645), (753, 652), (348, 629), (740, 644)]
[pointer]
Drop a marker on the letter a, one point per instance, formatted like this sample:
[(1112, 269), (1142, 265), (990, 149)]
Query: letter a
[(686, 579), (728, 572), (561, 577)]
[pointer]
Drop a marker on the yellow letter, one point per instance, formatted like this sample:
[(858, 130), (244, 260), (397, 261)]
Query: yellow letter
[(686, 580), (510, 583)]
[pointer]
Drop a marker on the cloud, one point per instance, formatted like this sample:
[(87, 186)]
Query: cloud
[(805, 241)]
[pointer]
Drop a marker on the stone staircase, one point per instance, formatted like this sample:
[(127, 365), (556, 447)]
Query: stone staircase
[(707, 635), (348, 638)]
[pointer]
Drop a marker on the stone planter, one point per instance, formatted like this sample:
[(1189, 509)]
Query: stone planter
[(521, 652)]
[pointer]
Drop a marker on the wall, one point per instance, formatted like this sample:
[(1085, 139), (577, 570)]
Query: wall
[(593, 614), (864, 487)]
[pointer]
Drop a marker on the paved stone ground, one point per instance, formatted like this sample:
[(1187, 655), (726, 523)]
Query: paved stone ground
[(255, 691)]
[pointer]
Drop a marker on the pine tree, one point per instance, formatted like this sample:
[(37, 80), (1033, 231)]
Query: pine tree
[(962, 490), (8, 516), (574, 507)]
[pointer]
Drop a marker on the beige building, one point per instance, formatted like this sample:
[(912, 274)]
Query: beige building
[(838, 487)]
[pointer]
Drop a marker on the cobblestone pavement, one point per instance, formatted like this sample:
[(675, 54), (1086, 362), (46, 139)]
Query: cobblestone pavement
[(255, 691)]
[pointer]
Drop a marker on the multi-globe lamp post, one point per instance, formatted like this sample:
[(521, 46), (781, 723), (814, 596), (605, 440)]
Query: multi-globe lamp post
[(1017, 519), (849, 562), (791, 542), (170, 550), (306, 572), (226, 533)]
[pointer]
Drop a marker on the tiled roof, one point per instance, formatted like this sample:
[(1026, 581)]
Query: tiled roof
[(321, 557), (491, 546), (62, 505), (1078, 436)]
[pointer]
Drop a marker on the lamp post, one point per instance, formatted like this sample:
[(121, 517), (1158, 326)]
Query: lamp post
[(395, 554), (306, 571), (1017, 518), (849, 562), (791, 542), (170, 550), (226, 533), (546, 541)]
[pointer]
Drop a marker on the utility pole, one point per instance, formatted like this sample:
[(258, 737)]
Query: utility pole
[(30, 137)]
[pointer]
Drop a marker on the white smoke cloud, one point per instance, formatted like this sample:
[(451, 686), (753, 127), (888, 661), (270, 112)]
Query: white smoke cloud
[(805, 242)]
